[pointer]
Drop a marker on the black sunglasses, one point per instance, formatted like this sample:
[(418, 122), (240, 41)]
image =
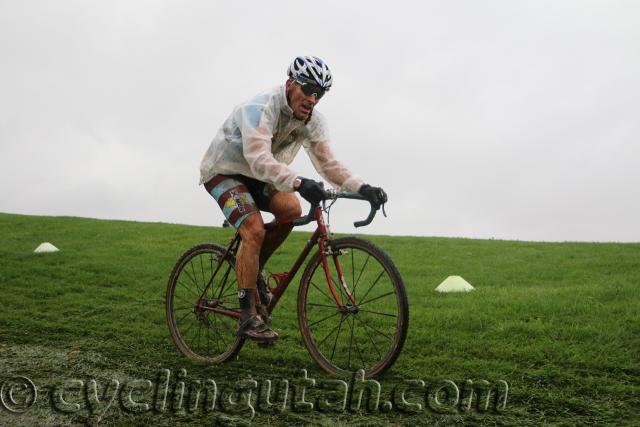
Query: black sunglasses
[(311, 89)]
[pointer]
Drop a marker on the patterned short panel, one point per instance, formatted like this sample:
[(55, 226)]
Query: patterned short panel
[(234, 198)]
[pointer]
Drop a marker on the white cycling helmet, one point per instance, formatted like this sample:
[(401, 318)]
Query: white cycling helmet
[(311, 69)]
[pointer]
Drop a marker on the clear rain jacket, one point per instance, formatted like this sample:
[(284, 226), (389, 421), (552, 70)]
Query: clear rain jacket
[(261, 138)]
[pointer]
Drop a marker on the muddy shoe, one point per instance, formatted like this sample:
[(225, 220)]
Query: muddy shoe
[(262, 312), (256, 329)]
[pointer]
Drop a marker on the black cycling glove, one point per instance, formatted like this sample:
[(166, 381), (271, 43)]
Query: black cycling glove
[(375, 195), (311, 190)]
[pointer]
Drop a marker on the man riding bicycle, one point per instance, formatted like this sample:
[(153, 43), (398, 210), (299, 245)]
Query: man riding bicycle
[(246, 170)]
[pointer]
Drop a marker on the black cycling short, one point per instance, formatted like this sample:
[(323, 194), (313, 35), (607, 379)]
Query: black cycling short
[(240, 196)]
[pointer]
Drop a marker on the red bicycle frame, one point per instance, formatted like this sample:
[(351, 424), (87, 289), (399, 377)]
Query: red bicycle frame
[(320, 237)]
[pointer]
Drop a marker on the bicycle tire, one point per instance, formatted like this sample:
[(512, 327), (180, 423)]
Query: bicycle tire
[(316, 306), (222, 342)]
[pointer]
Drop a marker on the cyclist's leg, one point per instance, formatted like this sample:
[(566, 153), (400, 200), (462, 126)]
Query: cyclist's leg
[(241, 210), (285, 207), (252, 234), (239, 207)]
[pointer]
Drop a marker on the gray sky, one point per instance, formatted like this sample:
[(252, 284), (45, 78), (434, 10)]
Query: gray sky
[(504, 119)]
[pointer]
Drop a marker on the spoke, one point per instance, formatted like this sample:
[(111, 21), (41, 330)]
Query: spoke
[(210, 274), (364, 364), (369, 335), (206, 332), (204, 282), (350, 345), (192, 328), (371, 287), (329, 334), (322, 292), (199, 332), (360, 274), (221, 335), (182, 318), (193, 270), (226, 278), (322, 305), (195, 281), (233, 282), (376, 330), (183, 299), (378, 297), (322, 320), (184, 270), (190, 303), (227, 319), (184, 334), (191, 291), (353, 272), (377, 312), (216, 333), (229, 295), (226, 325), (336, 341), (231, 287)]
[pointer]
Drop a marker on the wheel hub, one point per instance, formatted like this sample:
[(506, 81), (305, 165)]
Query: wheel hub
[(350, 309), (201, 313)]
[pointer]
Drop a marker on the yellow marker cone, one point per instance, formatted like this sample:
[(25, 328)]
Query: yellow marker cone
[(454, 284), (46, 247)]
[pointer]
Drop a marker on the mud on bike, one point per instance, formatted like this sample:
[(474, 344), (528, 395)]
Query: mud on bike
[(352, 305)]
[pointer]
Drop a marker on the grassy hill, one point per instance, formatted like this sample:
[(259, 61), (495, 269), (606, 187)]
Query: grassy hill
[(557, 321)]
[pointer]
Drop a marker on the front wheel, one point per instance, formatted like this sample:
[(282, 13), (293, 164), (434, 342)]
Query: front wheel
[(368, 332)]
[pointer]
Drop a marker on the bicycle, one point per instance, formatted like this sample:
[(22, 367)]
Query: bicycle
[(364, 299)]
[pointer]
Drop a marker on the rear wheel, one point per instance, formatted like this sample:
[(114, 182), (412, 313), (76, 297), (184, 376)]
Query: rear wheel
[(200, 333), (367, 335)]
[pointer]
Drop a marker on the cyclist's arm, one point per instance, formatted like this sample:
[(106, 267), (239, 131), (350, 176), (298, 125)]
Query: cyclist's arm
[(330, 168), (257, 132), (323, 159)]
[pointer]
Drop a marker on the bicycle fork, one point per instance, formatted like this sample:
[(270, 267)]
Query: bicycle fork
[(325, 250)]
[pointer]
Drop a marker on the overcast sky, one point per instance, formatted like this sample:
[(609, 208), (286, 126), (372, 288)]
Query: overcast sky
[(504, 119)]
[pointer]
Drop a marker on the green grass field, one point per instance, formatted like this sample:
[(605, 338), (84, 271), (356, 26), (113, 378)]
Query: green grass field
[(557, 321)]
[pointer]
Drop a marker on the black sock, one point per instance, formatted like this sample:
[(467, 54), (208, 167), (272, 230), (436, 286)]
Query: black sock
[(247, 298)]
